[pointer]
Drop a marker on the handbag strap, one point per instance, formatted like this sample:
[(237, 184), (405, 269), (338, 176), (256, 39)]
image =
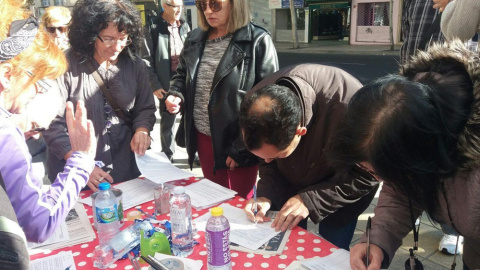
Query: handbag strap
[(120, 113)]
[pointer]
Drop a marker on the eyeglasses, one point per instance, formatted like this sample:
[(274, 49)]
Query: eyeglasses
[(53, 29), (42, 86), (174, 6), (215, 5), (113, 42)]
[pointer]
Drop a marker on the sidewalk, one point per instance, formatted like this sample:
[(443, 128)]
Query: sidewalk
[(337, 47)]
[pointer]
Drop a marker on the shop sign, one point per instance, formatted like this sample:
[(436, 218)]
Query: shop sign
[(189, 2), (296, 3), (274, 4)]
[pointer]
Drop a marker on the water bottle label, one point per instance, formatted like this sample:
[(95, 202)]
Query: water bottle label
[(178, 219), (107, 215), (218, 245)]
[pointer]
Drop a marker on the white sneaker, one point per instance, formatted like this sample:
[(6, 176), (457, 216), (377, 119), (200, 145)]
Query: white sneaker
[(448, 243)]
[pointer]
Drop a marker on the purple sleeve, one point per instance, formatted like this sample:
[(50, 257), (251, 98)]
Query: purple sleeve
[(39, 212)]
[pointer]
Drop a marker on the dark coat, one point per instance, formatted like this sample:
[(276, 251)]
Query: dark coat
[(250, 57), (156, 51), (324, 93)]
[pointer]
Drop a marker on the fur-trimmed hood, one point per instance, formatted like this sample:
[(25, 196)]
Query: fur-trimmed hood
[(424, 61)]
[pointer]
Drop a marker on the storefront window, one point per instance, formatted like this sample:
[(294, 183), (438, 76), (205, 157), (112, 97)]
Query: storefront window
[(373, 14), (287, 24)]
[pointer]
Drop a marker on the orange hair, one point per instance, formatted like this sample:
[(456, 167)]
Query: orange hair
[(43, 58)]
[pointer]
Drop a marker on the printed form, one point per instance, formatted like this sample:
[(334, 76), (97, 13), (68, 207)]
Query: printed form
[(242, 231)]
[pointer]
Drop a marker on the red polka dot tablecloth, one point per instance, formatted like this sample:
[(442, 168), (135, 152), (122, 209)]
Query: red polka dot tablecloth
[(301, 244)]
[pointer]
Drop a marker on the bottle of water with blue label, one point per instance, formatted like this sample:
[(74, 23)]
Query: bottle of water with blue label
[(107, 213), (181, 222), (217, 238)]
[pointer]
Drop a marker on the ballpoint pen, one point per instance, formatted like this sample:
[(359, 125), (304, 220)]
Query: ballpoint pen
[(155, 265), (255, 206), (369, 227)]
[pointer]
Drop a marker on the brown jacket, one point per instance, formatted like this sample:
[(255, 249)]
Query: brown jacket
[(459, 196), (324, 93)]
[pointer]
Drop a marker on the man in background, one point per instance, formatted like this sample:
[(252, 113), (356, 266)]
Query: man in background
[(164, 38)]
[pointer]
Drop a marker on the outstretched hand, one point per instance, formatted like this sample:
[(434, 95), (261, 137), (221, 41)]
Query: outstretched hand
[(80, 129)]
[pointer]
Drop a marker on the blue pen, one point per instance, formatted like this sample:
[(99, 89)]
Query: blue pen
[(255, 206)]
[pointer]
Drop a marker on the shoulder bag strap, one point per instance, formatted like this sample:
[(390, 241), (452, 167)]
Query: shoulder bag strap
[(120, 113)]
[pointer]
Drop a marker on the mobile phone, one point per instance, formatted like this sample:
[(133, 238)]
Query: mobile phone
[(37, 129)]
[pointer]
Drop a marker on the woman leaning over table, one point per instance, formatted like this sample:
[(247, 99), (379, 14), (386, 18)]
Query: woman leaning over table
[(23, 68), (104, 36), (221, 60), (418, 131)]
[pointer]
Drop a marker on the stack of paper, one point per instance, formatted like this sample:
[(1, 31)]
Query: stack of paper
[(157, 168), (338, 260), (79, 230), (134, 192), (242, 231), (205, 194)]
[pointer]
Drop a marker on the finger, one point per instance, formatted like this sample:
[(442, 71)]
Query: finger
[(69, 116), (81, 114), (295, 222), (357, 264), (288, 222), (92, 187)]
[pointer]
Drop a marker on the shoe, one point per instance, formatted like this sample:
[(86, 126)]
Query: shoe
[(196, 160), (448, 243)]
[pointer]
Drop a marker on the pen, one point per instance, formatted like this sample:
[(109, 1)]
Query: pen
[(369, 227), (134, 262), (152, 263), (255, 206), (157, 261), (103, 178)]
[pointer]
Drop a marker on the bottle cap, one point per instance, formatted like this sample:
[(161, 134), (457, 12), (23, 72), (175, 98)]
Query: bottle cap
[(104, 186), (179, 190), (216, 211)]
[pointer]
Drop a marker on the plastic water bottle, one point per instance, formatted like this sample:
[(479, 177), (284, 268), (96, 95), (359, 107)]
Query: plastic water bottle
[(217, 238), (181, 221), (108, 253), (107, 213)]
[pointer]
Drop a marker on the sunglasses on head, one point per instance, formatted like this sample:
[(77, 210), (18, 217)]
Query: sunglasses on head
[(52, 29), (215, 5)]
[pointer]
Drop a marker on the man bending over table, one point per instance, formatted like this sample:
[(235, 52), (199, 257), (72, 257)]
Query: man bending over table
[(289, 120)]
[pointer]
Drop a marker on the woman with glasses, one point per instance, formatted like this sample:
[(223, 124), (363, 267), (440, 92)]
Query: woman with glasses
[(221, 60), (105, 71), (56, 20), (419, 132), (23, 70)]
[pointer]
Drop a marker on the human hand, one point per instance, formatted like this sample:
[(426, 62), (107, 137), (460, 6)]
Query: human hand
[(98, 176), (80, 129), (160, 93), (231, 163), (358, 253), (263, 204), (440, 4), (292, 212), (173, 104), (141, 141)]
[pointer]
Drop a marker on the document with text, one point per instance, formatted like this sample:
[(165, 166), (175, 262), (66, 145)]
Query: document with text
[(157, 168)]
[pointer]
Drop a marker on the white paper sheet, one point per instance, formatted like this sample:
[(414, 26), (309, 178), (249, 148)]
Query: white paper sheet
[(61, 261), (60, 235), (206, 193), (157, 168), (242, 231), (189, 264), (338, 260), (134, 192)]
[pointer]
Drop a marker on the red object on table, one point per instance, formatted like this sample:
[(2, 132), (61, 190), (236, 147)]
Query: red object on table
[(301, 243)]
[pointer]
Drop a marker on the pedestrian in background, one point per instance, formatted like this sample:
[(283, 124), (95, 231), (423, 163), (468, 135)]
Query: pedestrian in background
[(105, 71), (56, 20), (221, 60), (164, 38)]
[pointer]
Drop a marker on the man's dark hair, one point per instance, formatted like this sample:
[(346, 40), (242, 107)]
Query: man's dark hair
[(89, 17), (270, 115)]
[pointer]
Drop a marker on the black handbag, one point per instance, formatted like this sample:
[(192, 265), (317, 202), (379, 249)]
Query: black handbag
[(180, 135)]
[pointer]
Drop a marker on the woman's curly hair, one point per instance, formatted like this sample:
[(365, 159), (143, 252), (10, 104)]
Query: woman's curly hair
[(89, 17)]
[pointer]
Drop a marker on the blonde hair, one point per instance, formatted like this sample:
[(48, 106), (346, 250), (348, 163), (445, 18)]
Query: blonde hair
[(240, 16), (55, 14), (42, 58)]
